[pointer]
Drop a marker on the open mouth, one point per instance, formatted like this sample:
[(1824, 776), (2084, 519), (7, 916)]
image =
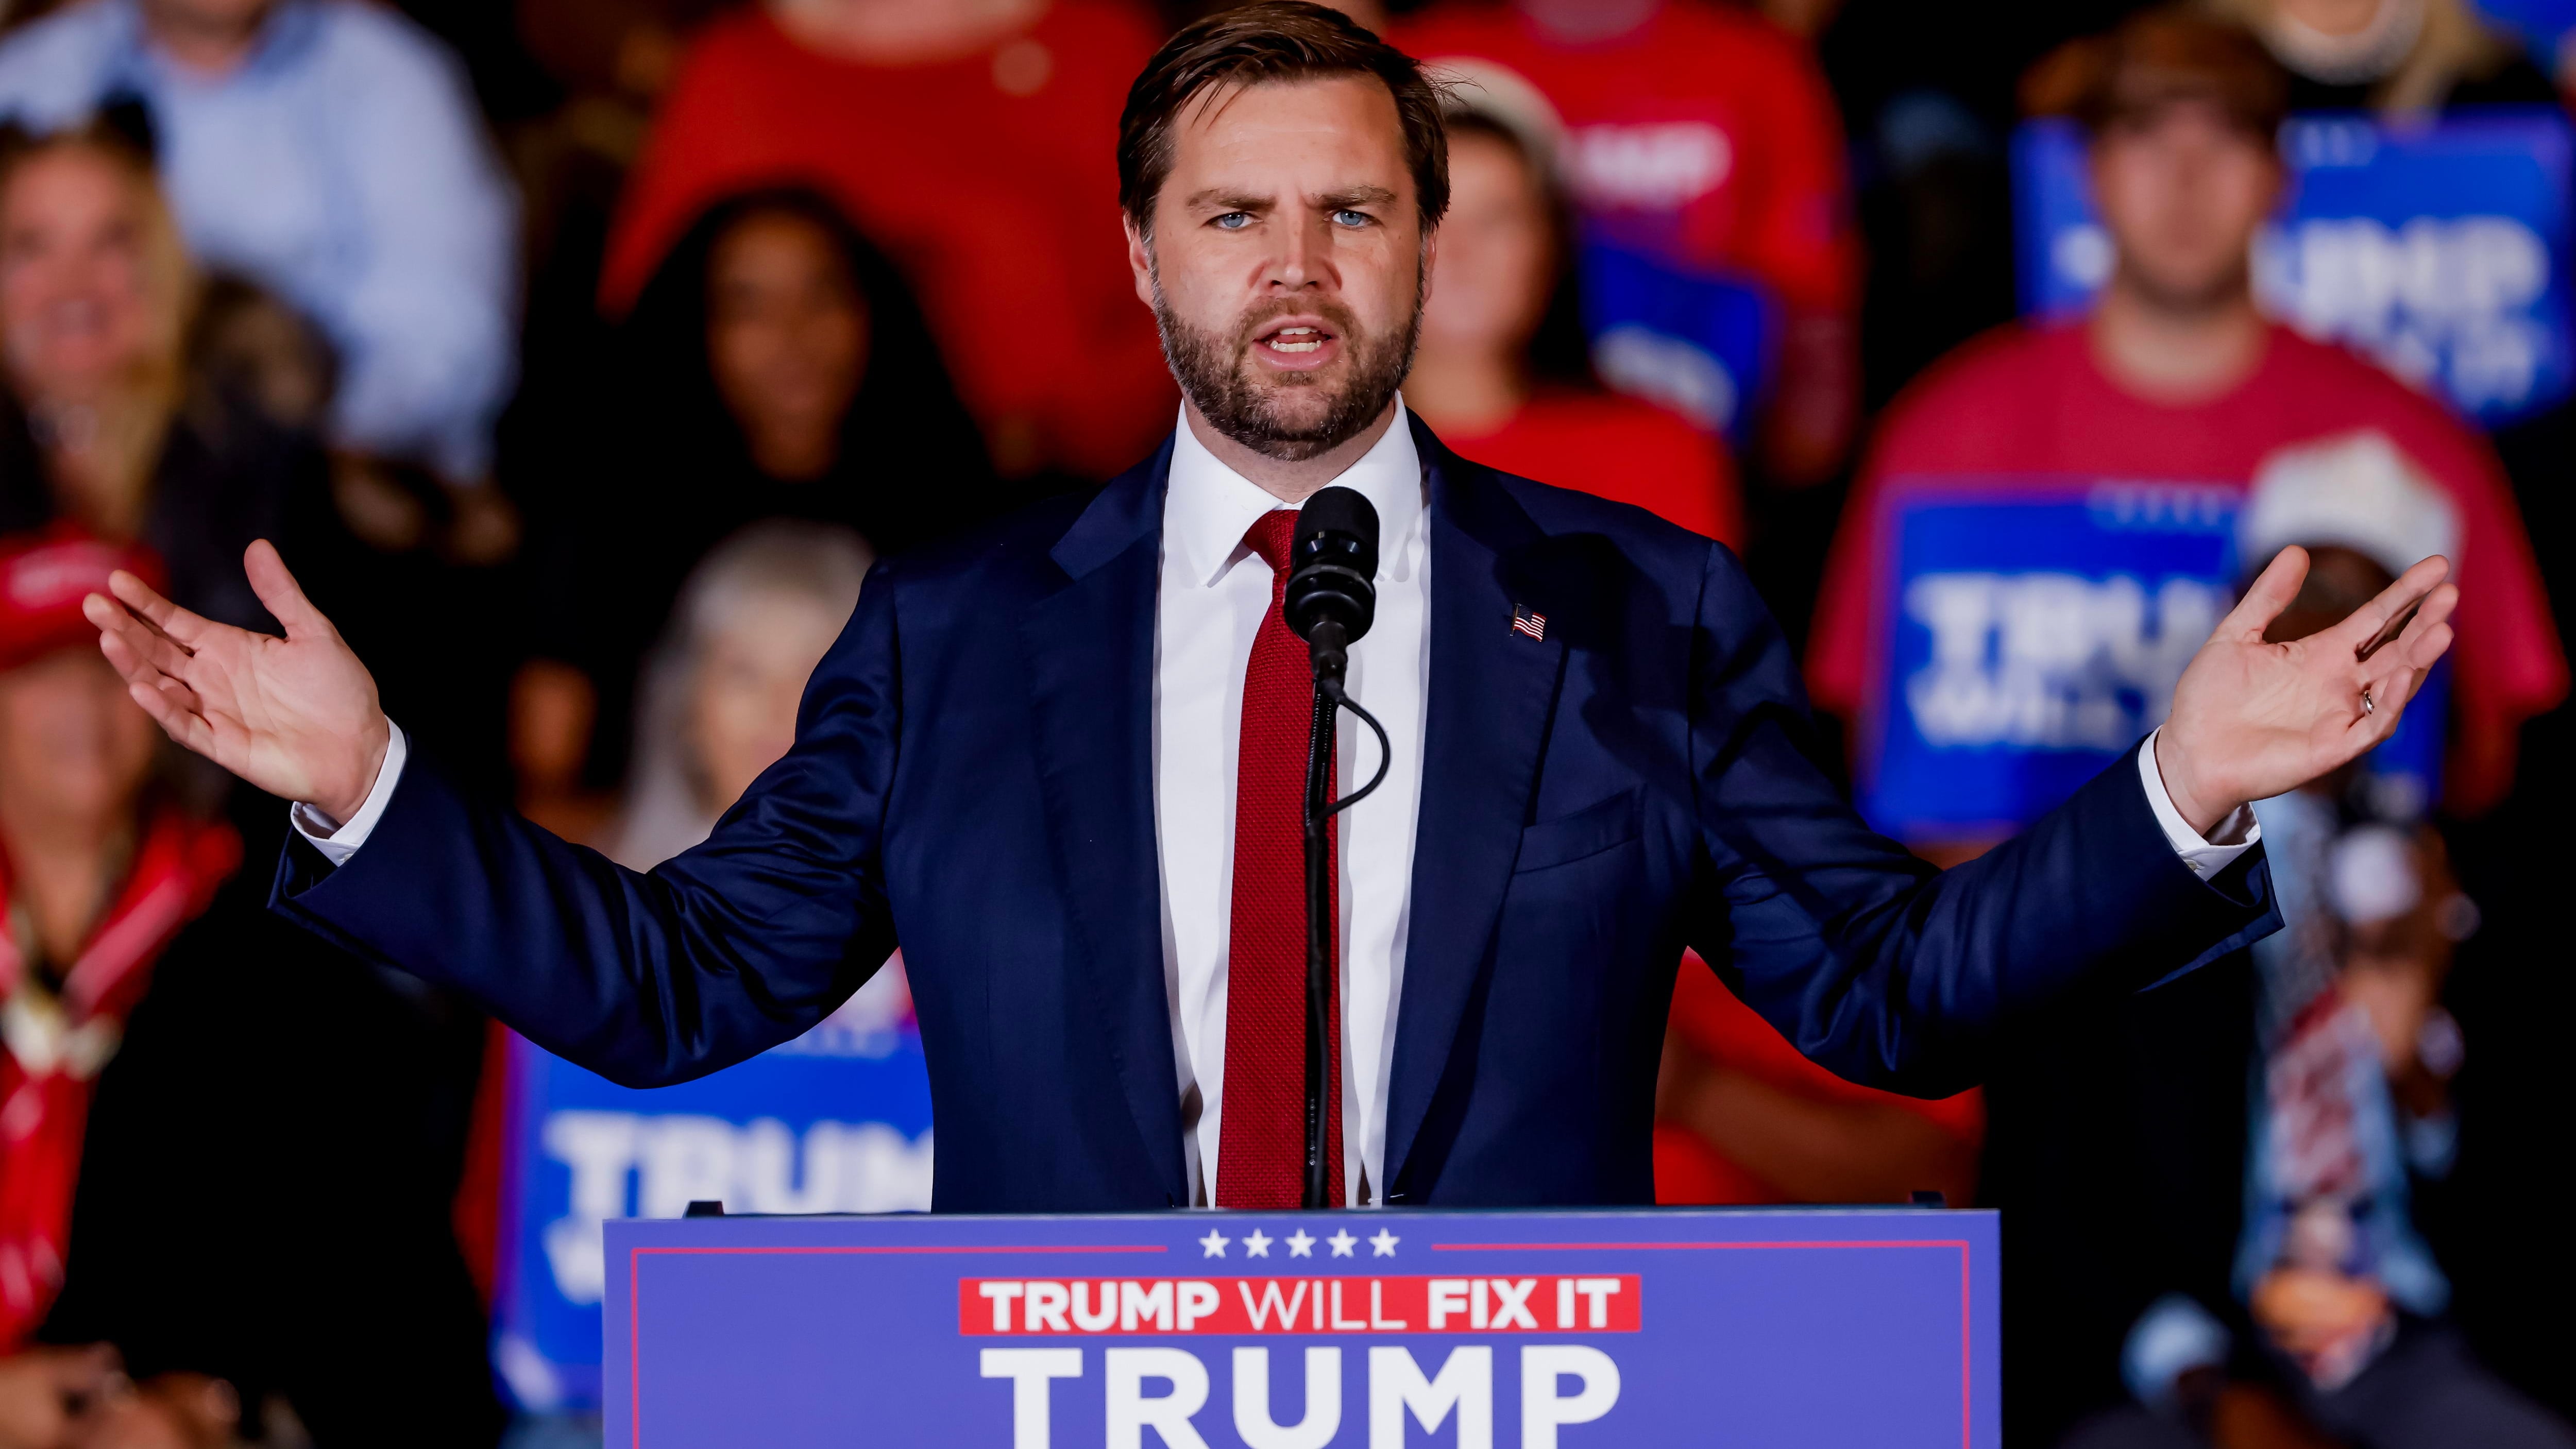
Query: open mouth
[(1297, 342)]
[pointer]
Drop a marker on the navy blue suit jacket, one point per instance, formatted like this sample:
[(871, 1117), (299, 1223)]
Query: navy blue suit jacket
[(973, 775)]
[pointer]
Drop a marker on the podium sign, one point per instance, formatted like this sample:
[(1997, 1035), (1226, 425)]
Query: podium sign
[(1306, 1330)]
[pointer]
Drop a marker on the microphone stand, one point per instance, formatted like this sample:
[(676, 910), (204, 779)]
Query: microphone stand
[(1330, 645)]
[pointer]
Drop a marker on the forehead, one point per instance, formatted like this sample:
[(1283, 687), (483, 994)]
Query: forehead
[(2197, 115), (67, 177), (1301, 135)]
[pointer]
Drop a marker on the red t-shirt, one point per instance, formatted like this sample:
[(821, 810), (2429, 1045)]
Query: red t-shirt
[(1716, 1025), (992, 179), (1707, 132), (2030, 404), (1617, 448)]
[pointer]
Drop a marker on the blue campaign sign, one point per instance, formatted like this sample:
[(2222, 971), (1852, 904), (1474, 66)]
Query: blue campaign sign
[(836, 1121), (2540, 25), (1828, 1329), (2030, 635), (2442, 248), (1702, 344)]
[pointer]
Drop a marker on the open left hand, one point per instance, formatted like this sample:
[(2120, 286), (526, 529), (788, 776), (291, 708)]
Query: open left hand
[(2252, 720)]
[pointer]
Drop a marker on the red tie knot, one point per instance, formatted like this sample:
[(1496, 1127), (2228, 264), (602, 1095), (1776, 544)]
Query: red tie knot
[(1270, 535)]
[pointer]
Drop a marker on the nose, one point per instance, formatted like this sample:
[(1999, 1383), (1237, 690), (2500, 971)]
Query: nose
[(1303, 261)]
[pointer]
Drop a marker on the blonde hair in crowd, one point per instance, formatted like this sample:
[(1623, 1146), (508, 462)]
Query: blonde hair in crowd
[(120, 434), (817, 565)]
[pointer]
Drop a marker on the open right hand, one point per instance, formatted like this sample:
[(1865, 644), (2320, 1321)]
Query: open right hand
[(296, 717)]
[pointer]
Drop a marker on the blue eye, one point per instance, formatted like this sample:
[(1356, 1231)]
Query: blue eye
[(1234, 220), (1348, 217)]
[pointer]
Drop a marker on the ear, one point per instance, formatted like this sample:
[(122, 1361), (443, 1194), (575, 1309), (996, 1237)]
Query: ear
[(1140, 259)]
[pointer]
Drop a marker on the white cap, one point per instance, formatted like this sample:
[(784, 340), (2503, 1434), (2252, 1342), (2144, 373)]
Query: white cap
[(1471, 85), (2355, 490)]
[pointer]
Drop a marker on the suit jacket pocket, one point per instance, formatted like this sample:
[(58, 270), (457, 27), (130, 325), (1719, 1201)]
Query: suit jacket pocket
[(1602, 825)]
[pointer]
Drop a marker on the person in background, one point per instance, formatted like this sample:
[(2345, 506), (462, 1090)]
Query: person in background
[(718, 705), (2336, 1322), (973, 139), (220, 1198), (2175, 377), (2400, 58), (101, 425), (1502, 375), (330, 151), (776, 366), (1502, 371), (1706, 134), (720, 695), (2116, 1128)]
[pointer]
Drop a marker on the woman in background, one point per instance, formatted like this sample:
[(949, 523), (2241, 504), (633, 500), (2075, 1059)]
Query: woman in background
[(101, 426), (228, 1147), (776, 367), (1503, 373), (718, 706), (720, 693)]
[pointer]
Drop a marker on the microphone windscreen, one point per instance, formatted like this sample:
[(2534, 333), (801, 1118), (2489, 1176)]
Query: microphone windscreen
[(1345, 512)]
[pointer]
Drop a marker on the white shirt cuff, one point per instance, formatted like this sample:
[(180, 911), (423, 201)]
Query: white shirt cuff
[(338, 842), (2206, 856)]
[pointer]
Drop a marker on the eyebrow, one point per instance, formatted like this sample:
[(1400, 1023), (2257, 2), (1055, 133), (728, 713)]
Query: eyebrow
[(1223, 200), (1228, 201), (1357, 196)]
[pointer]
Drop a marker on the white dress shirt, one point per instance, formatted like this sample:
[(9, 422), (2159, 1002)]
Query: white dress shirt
[(1214, 592)]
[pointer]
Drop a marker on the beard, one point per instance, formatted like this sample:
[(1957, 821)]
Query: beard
[(1279, 417)]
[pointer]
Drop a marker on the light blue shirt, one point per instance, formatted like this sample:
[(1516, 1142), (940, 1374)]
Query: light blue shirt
[(342, 166)]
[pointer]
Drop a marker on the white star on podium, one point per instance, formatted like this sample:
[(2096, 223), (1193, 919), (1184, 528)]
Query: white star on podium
[(1342, 1242), (1300, 1245), (1258, 1244), (1383, 1245), (1215, 1243)]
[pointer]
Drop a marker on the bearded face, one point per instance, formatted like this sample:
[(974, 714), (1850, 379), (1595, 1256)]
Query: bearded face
[(1285, 261), (1291, 378)]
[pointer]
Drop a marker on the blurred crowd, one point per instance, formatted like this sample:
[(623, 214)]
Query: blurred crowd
[(581, 356)]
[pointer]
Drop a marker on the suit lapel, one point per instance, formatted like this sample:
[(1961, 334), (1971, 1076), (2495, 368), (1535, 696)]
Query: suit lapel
[(1492, 688), (1090, 659)]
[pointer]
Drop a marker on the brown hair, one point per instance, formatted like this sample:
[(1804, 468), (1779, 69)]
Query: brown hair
[(2155, 58), (1273, 41)]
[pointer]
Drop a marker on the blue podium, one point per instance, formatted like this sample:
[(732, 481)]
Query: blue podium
[(1818, 1329)]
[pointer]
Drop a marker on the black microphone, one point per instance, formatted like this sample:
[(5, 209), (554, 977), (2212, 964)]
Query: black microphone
[(1332, 572)]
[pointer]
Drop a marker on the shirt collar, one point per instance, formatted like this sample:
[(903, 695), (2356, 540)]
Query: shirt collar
[(1209, 506)]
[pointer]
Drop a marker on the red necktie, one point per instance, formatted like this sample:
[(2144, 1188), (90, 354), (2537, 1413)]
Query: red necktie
[(1261, 1153)]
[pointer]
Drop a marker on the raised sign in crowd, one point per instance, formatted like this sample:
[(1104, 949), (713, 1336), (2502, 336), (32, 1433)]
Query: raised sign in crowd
[(2006, 343)]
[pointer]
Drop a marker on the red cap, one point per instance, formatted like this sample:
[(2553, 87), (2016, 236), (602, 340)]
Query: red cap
[(44, 577)]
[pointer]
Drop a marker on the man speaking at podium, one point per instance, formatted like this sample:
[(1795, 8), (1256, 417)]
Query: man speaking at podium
[(1063, 764)]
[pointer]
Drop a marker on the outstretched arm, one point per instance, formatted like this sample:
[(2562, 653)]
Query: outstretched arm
[(733, 947), (1891, 973)]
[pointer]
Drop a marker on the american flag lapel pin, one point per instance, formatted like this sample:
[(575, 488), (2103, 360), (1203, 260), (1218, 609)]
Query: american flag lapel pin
[(1526, 620)]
